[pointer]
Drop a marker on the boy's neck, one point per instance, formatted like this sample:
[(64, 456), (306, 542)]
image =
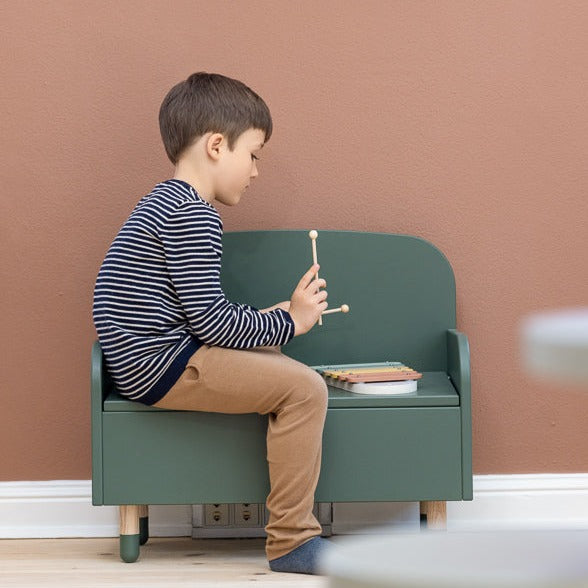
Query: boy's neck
[(184, 173)]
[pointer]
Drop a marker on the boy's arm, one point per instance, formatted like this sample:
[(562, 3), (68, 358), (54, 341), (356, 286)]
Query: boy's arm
[(192, 244)]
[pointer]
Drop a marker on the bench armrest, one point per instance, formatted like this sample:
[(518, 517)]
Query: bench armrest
[(458, 361), (458, 364), (97, 390)]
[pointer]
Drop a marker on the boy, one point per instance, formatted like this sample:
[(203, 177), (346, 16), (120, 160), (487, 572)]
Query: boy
[(170, 337)]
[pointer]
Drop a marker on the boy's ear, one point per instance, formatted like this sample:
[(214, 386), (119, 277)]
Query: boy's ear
[(215, 145)]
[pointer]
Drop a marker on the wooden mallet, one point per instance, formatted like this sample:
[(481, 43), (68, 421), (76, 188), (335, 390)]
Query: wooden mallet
[(313, 236), (343, 308)]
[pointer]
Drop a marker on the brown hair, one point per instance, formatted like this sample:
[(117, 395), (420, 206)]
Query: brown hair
[(214, 103)]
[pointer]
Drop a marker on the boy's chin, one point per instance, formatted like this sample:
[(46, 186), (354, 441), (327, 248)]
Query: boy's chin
[(229, 200)]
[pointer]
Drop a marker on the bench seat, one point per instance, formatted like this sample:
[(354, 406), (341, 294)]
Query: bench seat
[(434, 389)]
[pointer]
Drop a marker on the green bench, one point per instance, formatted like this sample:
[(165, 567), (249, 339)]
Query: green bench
[(413, 447)]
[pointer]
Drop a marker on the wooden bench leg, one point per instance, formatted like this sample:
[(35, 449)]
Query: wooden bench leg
[(129, 533), (435, 513), (143, 524)]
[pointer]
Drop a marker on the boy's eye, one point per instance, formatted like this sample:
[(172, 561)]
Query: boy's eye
[(254, 157)]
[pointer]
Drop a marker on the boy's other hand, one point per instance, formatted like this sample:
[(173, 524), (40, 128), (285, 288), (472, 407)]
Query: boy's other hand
[(285, 305), (308, 301)]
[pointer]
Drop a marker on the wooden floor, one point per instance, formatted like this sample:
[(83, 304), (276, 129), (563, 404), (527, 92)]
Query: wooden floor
[(86, 563)]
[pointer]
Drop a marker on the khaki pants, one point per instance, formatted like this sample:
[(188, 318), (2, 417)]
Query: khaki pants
[(265, 381)]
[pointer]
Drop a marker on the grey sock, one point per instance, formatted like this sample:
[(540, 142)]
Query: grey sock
[(303, 559)]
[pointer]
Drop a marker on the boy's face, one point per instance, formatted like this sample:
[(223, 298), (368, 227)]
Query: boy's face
[(238, 167)]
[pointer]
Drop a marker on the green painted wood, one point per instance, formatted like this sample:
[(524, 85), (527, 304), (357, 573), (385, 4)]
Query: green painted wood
[(129, 548), (460, 373), (96, 398), (369, 455), (143, 530), (175, 457), (410, 447), (434, 389), (391, 454), (401, 291)]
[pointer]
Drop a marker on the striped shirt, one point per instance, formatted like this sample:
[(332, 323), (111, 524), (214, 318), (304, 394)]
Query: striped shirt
[(158, 296)]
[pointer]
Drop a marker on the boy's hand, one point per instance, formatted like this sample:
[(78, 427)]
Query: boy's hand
[(308, 302)]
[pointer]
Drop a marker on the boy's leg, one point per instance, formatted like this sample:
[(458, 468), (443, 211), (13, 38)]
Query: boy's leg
[(265, 381)]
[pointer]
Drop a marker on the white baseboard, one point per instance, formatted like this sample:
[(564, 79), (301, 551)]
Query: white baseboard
[(524, 500), (63, 508)]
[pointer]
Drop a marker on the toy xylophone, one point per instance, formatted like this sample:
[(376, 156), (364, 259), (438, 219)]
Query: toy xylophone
[(371, 378)]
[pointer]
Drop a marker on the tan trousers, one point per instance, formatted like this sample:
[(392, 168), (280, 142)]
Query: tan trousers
[(265, 381)]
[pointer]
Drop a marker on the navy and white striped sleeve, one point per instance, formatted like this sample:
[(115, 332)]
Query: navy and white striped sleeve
[(192, 245)]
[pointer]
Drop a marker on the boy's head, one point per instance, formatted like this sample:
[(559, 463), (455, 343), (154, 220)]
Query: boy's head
[(206, 103)]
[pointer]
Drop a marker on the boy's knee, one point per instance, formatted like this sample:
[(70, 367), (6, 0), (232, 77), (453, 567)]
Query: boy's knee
[(313, 388)]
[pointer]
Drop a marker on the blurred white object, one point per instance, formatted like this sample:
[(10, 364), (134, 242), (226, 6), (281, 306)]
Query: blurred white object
[(555, 345), (476, 559)]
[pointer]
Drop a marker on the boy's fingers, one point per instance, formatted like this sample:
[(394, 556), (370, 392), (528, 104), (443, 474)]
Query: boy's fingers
[(320, 296), (315, 285), (308, 276)]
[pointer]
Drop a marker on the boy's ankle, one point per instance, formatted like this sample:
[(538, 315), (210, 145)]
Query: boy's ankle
[(303, 559)]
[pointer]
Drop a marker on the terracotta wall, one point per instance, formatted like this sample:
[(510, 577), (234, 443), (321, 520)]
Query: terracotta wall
[(462, 122)]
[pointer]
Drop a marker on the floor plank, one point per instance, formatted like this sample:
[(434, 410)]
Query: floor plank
[(89, 563)]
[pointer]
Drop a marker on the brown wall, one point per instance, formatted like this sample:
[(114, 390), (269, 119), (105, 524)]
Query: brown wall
[(463, 122)]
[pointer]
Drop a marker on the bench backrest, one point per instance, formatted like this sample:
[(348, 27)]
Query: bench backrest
[(401, 291)]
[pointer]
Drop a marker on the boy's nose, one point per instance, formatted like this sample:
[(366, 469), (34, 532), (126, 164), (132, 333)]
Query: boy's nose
[(254, 172)]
